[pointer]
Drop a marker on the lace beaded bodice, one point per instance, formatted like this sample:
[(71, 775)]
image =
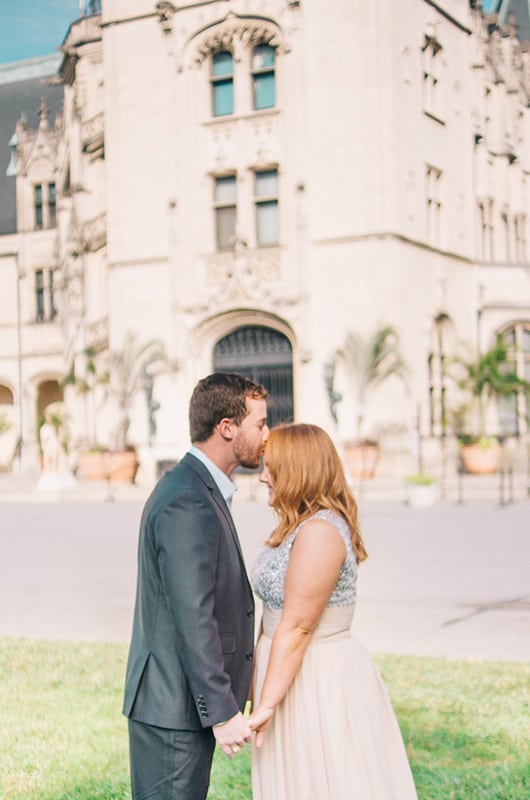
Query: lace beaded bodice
[(269, 570)]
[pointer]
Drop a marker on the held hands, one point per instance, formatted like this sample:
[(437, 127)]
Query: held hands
[(259, 721), (232, 735)]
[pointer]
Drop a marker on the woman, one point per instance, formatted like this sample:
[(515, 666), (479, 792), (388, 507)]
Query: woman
[(325, 729)]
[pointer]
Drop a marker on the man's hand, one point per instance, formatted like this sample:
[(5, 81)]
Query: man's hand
[(232, 736)]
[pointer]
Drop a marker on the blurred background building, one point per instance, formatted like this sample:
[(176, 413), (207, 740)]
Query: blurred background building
[(263, 186)]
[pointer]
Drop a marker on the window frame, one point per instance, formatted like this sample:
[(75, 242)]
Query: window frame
[(220, 205), (263, 200), (45, 308), (259, 72), (223, 79)]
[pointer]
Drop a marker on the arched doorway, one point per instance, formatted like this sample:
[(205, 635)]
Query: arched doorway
[(265, 355), (48, 392)]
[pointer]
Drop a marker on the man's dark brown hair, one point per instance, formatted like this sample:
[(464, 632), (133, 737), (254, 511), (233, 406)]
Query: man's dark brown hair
[(219, 396)]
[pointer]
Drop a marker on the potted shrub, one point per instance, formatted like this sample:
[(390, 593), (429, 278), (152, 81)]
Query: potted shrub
[(422, 490), (367, 363), (486, 380)]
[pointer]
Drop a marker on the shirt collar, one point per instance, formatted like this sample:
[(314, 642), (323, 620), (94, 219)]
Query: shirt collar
[(226, 485)]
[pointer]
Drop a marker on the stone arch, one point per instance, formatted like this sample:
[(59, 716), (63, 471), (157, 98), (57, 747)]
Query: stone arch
[(223, 34), (8, 426), (7, 397), (256, 344)]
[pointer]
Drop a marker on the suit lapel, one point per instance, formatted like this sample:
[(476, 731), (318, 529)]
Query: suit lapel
[(220, 503)]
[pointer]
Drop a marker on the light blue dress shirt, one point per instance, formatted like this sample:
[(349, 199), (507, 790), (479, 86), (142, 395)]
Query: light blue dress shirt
[(226, 485)]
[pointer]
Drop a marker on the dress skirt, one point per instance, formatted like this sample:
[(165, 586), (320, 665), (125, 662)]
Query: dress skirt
[(335, 735)]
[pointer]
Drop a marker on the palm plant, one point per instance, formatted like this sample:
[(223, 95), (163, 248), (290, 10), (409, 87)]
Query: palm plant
[(487, 379), (368, 362), (129, 369)]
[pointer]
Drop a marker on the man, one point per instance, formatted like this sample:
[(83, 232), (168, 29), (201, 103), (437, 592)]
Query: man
[(190, 660)]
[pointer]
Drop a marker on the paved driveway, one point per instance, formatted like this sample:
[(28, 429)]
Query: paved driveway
[(450, 581)]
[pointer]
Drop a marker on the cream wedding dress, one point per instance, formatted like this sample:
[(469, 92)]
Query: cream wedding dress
[(334, 736)]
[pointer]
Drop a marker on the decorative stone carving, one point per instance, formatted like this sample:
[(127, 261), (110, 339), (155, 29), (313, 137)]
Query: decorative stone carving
[(92, 135), (94, 233), (243, 274), (97, 335), (165, 12), (247, 32)]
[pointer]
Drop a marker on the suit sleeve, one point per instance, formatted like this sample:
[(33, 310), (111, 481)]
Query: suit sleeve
[(188, 539)]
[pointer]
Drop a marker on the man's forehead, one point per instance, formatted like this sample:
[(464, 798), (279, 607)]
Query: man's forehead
[(257, 406)]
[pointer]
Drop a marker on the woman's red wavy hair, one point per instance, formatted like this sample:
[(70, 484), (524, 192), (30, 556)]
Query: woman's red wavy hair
[(308, 476)]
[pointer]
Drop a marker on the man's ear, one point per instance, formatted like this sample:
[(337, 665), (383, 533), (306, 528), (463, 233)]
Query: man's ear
[(226, 428)]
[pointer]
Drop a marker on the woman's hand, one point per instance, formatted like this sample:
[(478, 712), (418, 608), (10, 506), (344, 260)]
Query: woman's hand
[(259, 721)]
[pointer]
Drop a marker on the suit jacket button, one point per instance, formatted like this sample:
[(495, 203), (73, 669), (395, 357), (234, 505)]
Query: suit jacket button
[(249, 656), (250, 613)]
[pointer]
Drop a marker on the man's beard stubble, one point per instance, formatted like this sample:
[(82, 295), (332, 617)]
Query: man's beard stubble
[(247, 456)]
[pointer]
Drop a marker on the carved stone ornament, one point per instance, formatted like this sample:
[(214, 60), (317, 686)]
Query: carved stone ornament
[(242, 275), (247, 31), (95, 233), (97, 335), (92, 135), (165, 13)]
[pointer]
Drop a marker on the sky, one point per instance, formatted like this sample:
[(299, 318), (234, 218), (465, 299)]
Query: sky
[(31, 28)]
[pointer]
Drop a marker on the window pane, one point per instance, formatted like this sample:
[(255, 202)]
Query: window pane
[(526, 341), (264, 90), (225, 223), (222, 63), (267, 183), (262, 56), (38, 206), (223, 97), (39, 293), (268, 227), (225, 189), (51, 291), (52, 205), (508, 414)]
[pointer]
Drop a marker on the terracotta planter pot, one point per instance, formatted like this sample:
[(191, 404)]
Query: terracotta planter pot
[(117, 466), (479, 460), (121, 465), (361, 460), (91, 466)]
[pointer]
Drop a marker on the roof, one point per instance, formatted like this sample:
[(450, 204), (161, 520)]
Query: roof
[(22, 84)]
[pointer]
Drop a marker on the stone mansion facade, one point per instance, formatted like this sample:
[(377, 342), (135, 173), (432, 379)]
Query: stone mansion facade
[(246, 182)]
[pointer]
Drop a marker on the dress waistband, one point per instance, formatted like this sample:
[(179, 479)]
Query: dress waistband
[(334, 623)]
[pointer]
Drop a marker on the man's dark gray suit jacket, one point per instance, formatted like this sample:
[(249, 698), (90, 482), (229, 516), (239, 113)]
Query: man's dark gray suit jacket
[(190, 660)]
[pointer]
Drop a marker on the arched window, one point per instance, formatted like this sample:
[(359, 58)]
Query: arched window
[(514, 412), (222, 79), (263, 77)]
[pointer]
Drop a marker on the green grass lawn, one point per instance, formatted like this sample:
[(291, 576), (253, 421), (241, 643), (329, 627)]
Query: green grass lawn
[(62, 736)]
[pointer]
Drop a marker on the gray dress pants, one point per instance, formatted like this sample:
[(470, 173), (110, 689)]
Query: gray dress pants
[(169, 764)]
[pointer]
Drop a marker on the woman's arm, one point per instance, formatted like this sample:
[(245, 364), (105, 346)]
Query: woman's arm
[(314, 567), (250, 698)]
